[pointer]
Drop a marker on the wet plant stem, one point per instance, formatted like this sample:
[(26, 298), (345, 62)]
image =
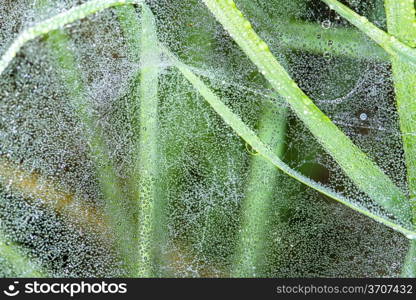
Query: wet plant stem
[(146, 172), (251, 246)]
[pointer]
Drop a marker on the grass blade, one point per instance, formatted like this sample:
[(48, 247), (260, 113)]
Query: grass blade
[(143, 48), (409, 269), (297, 35), (260, 186), (116, 208), (302, 36), (401, 23), (250, 137), (57, 22), (361, 170), (148, 142), (390, 43)]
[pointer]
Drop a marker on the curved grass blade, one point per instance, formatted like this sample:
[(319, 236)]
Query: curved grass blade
[(346, 42), (389, 42), (251, 138), (57, 22), (65, 60), (360, 169)]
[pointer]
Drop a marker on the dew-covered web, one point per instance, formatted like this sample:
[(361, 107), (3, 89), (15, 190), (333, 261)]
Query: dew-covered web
[(53, 206)]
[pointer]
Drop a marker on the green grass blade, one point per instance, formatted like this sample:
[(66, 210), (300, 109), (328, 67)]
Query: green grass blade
[(148, 142), (293, 34), (250, 137), (409, 264), (390, 43), (57, 22), (115, 206), (252, 248), (251, 244), (22, 266), (142, 41), (401, 22), (361, 170), (348, 43)]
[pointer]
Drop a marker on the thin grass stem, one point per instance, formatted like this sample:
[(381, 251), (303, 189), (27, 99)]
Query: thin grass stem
[(389, 42), (143, 48), (57, 22), (148, 141), (251, 245)]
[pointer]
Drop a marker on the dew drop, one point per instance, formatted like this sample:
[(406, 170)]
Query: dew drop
[(326, 24), (363, 116), (327, 55)]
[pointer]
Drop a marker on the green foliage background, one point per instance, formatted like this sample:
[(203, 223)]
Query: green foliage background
[(123, 152)]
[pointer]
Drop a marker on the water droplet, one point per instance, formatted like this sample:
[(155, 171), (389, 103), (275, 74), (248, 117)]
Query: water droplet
[(326, 24), (327, 55), (363, 116)]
